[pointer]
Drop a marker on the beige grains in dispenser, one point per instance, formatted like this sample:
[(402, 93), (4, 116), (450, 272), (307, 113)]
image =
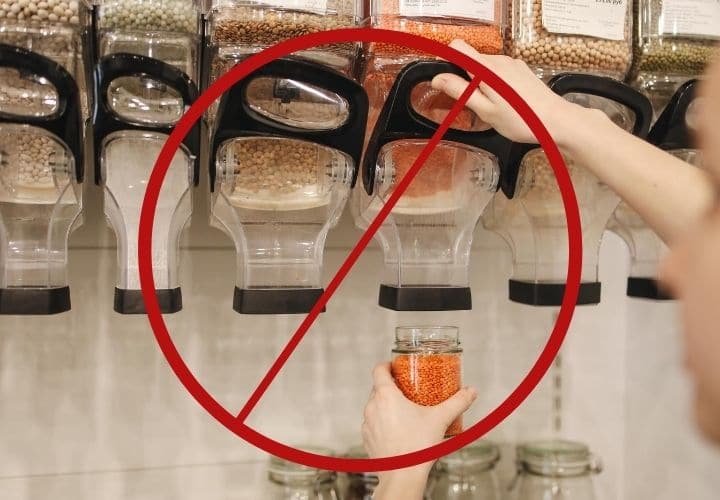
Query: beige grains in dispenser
[(549, 53), (43, 11), (277, 174), (177, 16), (28, 168), (241, 27)]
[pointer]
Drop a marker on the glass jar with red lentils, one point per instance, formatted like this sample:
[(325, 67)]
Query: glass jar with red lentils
[(427, 365)]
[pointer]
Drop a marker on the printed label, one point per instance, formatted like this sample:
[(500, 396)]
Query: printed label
[(311, 5), (597, 18), (691, 18), (482, 10)]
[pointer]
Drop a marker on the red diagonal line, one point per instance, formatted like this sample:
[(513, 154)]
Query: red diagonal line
[(356, 252)]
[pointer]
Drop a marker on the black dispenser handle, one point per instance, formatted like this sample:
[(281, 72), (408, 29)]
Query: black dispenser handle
[(671, 131), (568, 83), (106, 121), (236, 119), (609, 88), (66, 121), (399, 120)]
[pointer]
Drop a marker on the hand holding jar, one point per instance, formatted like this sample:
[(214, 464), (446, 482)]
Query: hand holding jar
[(394, 425)]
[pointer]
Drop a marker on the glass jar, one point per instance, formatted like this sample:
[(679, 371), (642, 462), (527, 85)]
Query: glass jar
[(167, 30), (467, 474), (675, 41), (555, 36), (427, 365), (358, 485), (555, 469), (291, 481)]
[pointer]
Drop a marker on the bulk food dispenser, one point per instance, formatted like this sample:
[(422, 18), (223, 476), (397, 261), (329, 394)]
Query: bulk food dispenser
[(237, 29), (587, 36), (139, 100), (427, 238), (145, 80), (286, 149), (480, 24), (672, 133), (166, 30), (43, 114), (674, 42), (531, 217)]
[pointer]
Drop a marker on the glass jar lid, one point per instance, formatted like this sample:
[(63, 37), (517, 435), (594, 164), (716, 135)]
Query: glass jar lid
[(288, 473), (479, 457), (557, 458)]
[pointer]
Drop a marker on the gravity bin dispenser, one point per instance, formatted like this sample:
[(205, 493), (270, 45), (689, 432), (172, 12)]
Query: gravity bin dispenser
[(41, 169), (44, 107), (427, 238), (166, 30), (286, 146), (138, 102), (673, 133), (531, 216)]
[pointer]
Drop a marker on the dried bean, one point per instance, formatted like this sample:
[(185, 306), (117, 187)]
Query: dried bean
[(32, 155), (483, 36), (667, 54), (155, 15), (259, 27), (274, 166)]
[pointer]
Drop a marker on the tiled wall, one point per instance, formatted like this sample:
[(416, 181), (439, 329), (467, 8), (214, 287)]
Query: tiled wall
[(90, 409)]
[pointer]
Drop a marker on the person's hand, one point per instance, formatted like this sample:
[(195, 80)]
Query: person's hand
[(554, 111), (395, 426)]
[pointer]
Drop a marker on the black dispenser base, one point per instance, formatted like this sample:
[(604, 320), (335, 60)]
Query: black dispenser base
[(276, 300), (440, 298), (131, 301), (28, 301), (551, 294), (646, 288)]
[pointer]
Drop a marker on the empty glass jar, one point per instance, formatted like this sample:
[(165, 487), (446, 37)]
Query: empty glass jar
[(467, 474), (358, 485), (291, 481), (555, 469), (427, 365)]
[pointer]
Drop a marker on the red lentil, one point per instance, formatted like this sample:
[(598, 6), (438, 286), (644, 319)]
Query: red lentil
[(429, 379), (485, 37)]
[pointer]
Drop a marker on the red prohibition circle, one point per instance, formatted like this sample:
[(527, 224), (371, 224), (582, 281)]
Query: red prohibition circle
[(236, 424)]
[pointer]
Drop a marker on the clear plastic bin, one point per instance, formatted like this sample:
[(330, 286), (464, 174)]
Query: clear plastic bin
[(243, 27), (555, 36), (167, 30), (675, 41)]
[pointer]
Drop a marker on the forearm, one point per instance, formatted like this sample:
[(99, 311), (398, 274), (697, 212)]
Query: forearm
[(408, 484), (668, 193)]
